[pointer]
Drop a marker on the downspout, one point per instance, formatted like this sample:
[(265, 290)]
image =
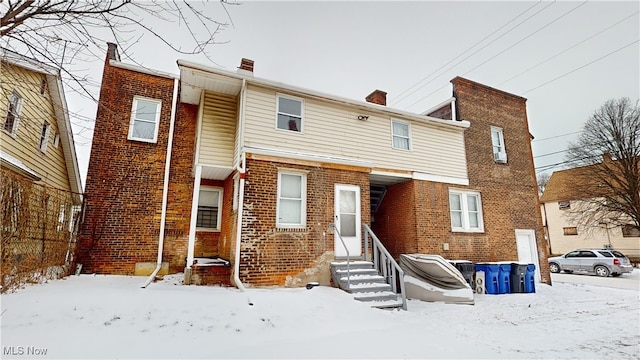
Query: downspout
[(165, 186), (241, 167)]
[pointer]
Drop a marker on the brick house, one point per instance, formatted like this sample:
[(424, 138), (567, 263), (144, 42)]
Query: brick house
[(213, 163)]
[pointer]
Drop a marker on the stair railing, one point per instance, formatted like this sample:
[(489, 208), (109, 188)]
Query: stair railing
[(336, 231), (385, 264)]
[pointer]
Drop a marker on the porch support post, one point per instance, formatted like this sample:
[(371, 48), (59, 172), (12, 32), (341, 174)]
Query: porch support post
[(194, 215)]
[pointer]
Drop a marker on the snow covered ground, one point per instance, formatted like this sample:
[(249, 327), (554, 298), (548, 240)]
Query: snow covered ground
[(93, 317)]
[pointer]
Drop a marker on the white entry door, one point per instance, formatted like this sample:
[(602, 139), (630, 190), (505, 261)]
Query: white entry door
[(347, 220), (528, 249)]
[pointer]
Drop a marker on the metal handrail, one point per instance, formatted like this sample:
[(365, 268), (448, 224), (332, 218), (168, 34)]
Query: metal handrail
[(348, 257), (390, 269)]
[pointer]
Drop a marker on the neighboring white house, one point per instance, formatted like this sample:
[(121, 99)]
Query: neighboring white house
[(563, 233)]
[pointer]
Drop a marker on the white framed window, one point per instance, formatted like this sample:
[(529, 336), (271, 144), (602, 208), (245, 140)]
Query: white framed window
[(497, 140), (145, 119), (13, 113), (400, 135), (44, 136), (289, 113), (56, 140), (466, 211), (209, 208), (291, 210)]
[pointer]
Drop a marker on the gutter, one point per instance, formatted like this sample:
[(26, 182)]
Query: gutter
[(165, 186), (241, 167)]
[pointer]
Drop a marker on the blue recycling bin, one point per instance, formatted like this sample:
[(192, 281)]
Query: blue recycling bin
[(530, 279), (504, 285), (491, 272)]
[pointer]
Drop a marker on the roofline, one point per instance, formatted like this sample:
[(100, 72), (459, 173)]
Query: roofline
[(361, 104), (66, 135), (141, 69), (461, 79), (16, 59)]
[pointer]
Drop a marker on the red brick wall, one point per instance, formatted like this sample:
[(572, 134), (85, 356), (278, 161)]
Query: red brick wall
[(414, 215), (125, 178), (271, 256), (509, 191)]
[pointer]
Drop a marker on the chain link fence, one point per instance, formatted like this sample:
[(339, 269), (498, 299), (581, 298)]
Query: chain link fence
[(39, 226)]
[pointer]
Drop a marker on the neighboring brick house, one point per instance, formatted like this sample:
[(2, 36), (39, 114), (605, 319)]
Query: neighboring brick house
[(40, 188), (565, 232), (294, 161)]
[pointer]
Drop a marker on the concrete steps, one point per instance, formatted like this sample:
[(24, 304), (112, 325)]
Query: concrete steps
[(363, 281)]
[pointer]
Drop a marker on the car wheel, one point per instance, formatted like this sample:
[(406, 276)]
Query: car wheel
[(602, 271), (616, 274), (554, 268)]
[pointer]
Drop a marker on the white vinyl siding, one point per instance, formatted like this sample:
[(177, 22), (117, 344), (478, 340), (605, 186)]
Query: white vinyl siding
[(218, 134), (466, 211), (292, 200), (145, 119), (334, 130)]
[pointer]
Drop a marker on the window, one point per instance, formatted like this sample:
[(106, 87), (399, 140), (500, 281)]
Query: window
[(43, 85), (13, 113), (466, 211), (630, 230), (145, 117), (570, 230), (209, 208), (291, 211), (289, 114), (44, 137), (499, 151), (564, 205), (56, 140), (400, 135)]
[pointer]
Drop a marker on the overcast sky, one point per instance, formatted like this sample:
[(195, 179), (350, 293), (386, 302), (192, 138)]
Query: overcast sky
[(566, 58)]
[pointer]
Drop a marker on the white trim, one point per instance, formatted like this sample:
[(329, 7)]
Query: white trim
[(408, 137), (132, 119), (306, 156), (196, 159), (316, 94), (44, 142), (533, 244), (140, 69), (303, 198), (28, 63), (220, 191), (236, 191), (292, 98), (439, 106), (353, 243), (440, 178), (464, 207), (194, 216)]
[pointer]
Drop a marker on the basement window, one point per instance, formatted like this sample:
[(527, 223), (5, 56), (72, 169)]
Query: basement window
[(568, 231), (564, 205)]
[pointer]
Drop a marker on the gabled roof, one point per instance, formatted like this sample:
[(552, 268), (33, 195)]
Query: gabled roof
[(562, 185), (54, 81)]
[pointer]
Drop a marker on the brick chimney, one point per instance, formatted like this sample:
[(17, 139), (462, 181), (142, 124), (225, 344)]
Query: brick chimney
[(246, 64), (377, 97), (112, 52)]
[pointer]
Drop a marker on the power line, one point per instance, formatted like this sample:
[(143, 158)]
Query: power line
[(569, 48), (508, 48), (557, 136), (583, 66), (401, 97)]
